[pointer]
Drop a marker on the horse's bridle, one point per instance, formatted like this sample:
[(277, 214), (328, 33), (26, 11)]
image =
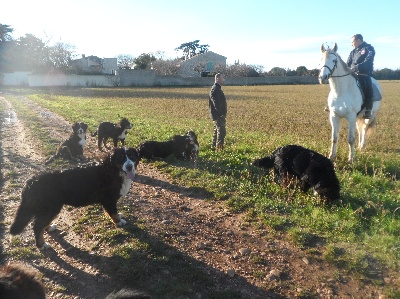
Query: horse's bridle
[(331, 70)]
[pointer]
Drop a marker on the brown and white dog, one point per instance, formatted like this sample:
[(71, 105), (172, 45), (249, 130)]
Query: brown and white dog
[(97, 183), (114, 131), (72, 148)]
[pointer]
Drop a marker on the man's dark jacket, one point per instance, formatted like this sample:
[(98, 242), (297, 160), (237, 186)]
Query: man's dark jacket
[(362, 59), (217, 102)]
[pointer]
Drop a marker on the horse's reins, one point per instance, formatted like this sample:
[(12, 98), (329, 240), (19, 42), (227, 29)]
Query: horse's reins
[(333, 69)]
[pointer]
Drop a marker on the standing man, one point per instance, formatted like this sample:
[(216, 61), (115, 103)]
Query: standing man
[(361, 61), (218, 109)]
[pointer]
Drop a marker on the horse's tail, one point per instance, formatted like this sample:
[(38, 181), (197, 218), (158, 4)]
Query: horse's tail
[(371, 126)]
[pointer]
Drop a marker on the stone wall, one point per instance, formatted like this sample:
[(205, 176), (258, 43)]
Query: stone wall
[(131, 78), (73, 80)]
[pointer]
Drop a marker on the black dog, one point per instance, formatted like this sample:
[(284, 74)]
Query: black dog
[(44, 196), (161, 149), (192, 150), (72, 148), (309, 167), (20, 282), (114, 131)]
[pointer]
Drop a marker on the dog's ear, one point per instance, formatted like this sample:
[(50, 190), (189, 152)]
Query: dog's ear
[(133, 154)]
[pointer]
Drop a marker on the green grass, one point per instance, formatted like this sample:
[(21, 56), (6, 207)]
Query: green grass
[(361, 230)]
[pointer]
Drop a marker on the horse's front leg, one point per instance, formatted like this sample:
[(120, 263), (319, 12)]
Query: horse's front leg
[(335, 124), (351, 138)]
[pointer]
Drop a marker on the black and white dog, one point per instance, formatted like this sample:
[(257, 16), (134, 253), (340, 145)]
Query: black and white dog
[(114, 131), (177, 146), (192, 150), (72, 148), (312, 169), (104, 183)]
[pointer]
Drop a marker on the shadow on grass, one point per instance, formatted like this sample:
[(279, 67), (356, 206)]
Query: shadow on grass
[(194, 192), (156, 268)]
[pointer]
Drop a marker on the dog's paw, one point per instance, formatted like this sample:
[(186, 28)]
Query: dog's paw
[(121, 222), (45, 246), (51, 228)]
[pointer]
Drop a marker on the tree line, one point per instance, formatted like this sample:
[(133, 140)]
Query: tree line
[(29, 53)]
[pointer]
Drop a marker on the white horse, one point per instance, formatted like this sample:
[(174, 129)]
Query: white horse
[(345, 100)]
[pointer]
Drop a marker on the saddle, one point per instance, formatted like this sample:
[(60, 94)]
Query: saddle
[(376, 95)]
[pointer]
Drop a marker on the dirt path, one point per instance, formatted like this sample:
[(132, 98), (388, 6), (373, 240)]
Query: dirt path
[(236, 255)]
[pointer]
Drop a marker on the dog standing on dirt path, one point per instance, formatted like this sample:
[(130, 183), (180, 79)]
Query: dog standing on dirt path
[(114, 131), (43, 196), (72, 148), (312, 169)]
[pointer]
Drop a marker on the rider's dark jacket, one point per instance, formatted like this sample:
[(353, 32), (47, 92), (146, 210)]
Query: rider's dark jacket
[(362, 59)]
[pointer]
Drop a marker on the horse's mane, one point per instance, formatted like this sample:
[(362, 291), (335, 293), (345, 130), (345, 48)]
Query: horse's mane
[(340, 60)]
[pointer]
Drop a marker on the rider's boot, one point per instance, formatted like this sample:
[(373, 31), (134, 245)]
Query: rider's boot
[(367, 114)]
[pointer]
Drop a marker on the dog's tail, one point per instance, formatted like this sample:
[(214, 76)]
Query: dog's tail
[(24, 214), (267, 162)]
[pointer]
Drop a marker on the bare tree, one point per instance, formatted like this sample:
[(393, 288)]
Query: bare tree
[(60, 55), (125, 61), (166, 67)]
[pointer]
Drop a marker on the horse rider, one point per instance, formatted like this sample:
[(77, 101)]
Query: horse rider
[(361, 61)]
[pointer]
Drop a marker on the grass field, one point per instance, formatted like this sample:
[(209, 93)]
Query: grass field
[(361, 232)]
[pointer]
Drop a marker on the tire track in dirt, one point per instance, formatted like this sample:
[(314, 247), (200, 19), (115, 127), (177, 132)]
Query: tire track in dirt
[(202, 230)]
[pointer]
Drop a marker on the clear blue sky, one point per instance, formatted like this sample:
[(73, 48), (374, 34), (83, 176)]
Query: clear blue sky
[(283, 33)]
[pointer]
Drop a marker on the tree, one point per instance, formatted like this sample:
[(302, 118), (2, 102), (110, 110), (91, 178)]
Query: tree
[(28, 53), (125, 61), (239, 70), (60, 55), (166, 67), (387, 74), (277, 71), (190, 49), (313, 72), (301, 71), (5, 33), (5, 43), (143, 61)]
